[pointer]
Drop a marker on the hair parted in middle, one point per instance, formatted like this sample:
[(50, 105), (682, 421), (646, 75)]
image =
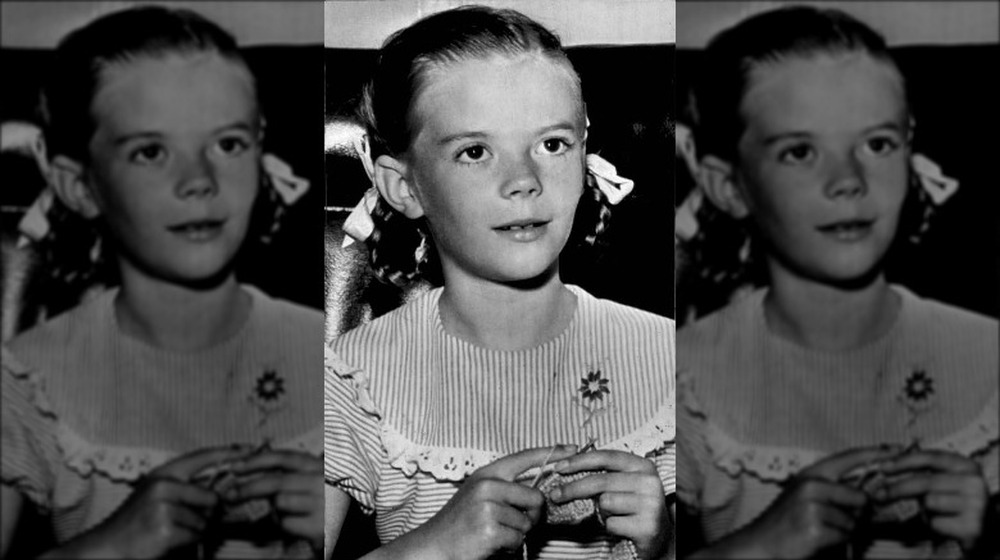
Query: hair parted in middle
[(402, 249)]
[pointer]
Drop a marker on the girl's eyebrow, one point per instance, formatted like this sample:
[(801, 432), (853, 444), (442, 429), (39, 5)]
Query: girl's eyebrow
[(154, 135), (893, 125), (476, 134)]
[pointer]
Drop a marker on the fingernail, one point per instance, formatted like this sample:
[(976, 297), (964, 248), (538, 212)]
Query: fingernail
[(558, 467), (556, 493)]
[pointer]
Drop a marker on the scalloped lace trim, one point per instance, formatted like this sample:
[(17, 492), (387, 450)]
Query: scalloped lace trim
[(455, 464), (776, 464), (119, 463)]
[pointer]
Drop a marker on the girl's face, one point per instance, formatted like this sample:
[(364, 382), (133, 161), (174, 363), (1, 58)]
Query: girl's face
[(823, 162), (174, 162), (497, 164)]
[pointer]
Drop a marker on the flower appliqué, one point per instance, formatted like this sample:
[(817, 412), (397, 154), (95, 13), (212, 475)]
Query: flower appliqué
[(269, 388), (593, 387), (919, 387), (917, 394)]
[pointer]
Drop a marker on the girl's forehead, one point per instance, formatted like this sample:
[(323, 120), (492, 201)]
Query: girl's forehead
[(466, 88), (830, 88), (174, 89)]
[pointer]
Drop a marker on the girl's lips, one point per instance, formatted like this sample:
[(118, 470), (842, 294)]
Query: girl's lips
[(198, 230), (523, 231), (847, 230)]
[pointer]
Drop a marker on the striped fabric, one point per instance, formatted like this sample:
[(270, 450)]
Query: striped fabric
[(755, 409), (411, 410), (88, 410)]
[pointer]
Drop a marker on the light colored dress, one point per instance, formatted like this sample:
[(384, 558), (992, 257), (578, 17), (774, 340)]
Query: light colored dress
[(754, 409), (88, 410), (411, 411)]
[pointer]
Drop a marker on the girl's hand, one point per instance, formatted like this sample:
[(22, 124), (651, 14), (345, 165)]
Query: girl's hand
[(630, 496), (165, 511), (293, 482), (951, 488), (816, 511), (489, 513)]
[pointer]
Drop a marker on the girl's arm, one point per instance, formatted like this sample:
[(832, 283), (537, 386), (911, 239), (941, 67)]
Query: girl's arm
[(337, 503), (11, 504)]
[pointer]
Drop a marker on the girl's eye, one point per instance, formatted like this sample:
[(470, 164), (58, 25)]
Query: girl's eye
[(882, 145), (799, 153), (233, 145), (150, 153), (555, 146), (472, 154)]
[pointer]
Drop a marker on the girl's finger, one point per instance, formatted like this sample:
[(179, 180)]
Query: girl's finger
[(263, 486), (297, 503), (283, 459), (625, 503), (839, 495), (941, 461), (618, 461), (512, 518), (837, 518), (302, 527), (836, 466), (598, 483), (946, 504), (509, 467), (188, 519), (188, 495), (186, 466), (917, 485)]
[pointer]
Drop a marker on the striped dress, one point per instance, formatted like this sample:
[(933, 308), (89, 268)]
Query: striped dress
[(755, 409), (88, 410), (411, 410)]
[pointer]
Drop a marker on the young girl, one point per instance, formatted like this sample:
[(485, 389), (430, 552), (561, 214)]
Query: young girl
[(829, 412), (440, 413), (175, 413)]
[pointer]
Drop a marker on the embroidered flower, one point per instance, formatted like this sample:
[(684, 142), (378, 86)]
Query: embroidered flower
[(269, 387), (919, 387), (594, 386)]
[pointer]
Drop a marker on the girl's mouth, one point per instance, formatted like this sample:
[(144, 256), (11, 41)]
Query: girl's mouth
[(848, 230), (198, 231), (522, 230)]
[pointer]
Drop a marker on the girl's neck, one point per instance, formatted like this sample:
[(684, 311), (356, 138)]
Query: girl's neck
[(829, 318), (180, 318), (503, 317)]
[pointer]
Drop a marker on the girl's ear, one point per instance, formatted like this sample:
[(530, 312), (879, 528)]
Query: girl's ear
[(721, 187), (393, 183), (67, 180)]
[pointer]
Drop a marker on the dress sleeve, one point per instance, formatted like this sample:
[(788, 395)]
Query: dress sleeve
[(28, 435), (352, 442), (693, 455), (666, 467)]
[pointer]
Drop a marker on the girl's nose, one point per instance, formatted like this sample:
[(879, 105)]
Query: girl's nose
[(197, 178), (521, 178), (847, 178)]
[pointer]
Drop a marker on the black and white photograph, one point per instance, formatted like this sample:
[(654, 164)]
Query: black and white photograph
[(499, 373), (837, 280), (162, 295)]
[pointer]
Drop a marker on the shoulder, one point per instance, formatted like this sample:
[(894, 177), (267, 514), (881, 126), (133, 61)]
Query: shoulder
[(611, 315), (401, 335), (74, 331), (954, 321), (722, 332), (286, 314)]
